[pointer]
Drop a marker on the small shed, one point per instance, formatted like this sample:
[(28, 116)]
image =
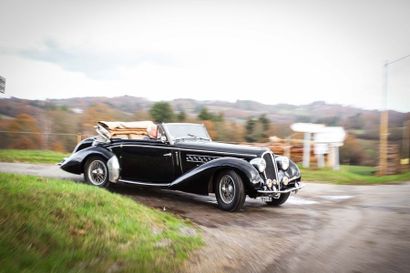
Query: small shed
[(325, 140)]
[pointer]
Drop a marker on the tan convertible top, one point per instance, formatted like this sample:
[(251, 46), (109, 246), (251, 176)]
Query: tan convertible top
[(126, 130)]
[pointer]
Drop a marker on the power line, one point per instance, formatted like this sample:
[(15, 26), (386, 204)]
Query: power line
[(37, 133)]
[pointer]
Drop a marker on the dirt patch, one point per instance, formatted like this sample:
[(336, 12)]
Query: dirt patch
[(309, 233)]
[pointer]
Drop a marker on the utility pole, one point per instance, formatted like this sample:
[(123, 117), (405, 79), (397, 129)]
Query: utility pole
[(384, 119), (384, 124), (406, 143)]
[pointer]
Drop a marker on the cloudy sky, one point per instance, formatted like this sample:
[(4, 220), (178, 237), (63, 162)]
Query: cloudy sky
[(270, 51)]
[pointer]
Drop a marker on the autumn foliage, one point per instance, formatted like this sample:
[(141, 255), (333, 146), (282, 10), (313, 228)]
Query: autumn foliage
[(59, 124), (25, 133)]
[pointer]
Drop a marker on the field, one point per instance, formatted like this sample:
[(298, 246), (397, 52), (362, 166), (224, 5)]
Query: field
[(352, 175), (31, 156), (49, 225)]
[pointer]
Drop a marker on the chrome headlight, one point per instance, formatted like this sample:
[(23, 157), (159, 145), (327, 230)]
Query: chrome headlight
[(259, 163), (283, 162), (294, 170), (285, 180)]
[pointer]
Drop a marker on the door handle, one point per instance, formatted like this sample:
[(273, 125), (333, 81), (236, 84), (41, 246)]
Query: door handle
[(167, 155)]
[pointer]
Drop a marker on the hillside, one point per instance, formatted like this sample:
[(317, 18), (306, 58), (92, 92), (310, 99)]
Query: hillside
[(56, 123), (240, 110), (51, 225)]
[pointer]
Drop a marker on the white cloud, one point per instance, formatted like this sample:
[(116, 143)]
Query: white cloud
[(269, 51)]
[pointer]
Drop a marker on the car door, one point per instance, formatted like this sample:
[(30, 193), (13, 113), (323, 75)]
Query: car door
[(147, 162)]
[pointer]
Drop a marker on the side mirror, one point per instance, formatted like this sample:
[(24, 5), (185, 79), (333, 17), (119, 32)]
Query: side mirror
[(163, 139)]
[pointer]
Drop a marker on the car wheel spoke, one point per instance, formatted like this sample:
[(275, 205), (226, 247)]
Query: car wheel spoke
[(227, 189), (97, 172)]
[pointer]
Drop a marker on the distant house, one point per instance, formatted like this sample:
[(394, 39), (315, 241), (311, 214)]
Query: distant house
[(325, 140)]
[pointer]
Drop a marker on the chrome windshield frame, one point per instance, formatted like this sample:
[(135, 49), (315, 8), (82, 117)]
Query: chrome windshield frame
[(172, 140)]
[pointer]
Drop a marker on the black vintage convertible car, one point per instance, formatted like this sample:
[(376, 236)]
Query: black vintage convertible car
[(182, 156)]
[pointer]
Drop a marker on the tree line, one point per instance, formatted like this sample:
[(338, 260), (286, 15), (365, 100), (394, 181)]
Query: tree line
[(56, 128)]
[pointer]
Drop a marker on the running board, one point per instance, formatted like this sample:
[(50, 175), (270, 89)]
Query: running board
[(162, 185)]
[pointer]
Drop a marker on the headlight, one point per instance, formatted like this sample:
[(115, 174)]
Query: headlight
[(294, 170), (285, 180), (283, 162), (259, 164)]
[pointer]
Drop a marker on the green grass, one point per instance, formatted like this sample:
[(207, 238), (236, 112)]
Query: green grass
[(352, 175), (31, 156), (346, 175), (49, 225)]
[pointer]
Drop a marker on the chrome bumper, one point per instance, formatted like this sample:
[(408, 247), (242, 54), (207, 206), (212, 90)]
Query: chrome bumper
[(298, 186)]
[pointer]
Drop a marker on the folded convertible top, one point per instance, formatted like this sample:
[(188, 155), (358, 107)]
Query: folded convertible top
[(116, 125), (126, 130)]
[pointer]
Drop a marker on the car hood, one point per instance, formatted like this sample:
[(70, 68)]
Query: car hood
[(222, 148)]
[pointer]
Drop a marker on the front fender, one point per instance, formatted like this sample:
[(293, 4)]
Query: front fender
[(75, 163), (197, 179)]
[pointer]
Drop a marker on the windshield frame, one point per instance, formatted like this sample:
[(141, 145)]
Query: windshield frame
[(172, 139)]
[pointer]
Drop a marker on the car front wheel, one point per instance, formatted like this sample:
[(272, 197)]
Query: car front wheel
[(96, 172), (229, 191)]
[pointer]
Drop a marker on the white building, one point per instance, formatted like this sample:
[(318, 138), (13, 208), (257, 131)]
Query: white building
[(326, 140)]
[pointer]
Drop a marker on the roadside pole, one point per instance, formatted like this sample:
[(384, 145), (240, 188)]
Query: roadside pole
[(384, 119)]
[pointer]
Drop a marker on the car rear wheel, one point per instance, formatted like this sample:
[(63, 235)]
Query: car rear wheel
[(277, 202), (229, 191), (96, 172)]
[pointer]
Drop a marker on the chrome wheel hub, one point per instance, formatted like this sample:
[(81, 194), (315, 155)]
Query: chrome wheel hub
[(227, 189), (97, 172)]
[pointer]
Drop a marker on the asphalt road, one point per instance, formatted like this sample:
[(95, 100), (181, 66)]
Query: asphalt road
[(324, 228)]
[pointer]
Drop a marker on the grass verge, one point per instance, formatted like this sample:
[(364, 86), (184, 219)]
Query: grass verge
[(359, 175), (49, 225), (31, 156), (346, 175)]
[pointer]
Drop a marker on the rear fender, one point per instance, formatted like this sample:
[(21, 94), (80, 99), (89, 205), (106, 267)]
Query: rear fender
[(75, 163)]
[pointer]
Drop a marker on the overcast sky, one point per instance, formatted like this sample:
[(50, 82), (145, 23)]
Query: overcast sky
[(285, 51)]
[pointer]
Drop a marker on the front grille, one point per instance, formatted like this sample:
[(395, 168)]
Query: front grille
[(270, 170)]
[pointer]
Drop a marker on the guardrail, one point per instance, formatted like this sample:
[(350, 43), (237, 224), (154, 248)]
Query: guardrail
[(9, 139)]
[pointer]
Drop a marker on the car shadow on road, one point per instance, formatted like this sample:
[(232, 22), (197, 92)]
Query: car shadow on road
[(163, 196), (200, 209)]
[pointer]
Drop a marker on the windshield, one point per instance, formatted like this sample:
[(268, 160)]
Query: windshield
[(186, 131)]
